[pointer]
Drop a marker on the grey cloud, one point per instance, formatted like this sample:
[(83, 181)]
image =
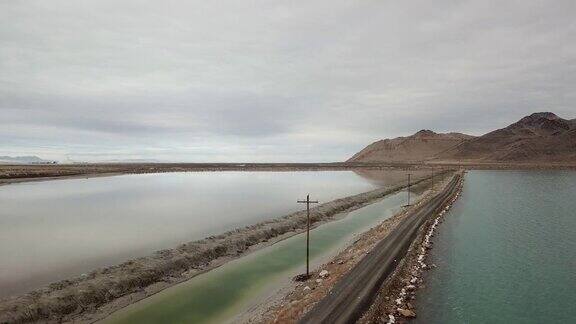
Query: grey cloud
[(272, 81)]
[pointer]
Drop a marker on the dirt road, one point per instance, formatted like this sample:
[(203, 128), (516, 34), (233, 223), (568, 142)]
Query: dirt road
[(356, 291)]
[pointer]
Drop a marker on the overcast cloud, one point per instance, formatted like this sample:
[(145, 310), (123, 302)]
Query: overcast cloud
[(272, 80)]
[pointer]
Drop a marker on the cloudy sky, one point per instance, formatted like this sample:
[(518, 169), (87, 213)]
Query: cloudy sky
[(190, 80)]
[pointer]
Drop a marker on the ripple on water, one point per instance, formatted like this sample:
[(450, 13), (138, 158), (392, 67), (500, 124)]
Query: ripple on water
[(506, 252)]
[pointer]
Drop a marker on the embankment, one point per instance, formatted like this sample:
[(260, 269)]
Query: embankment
[(395, 298), (357, 290), (82, 298)]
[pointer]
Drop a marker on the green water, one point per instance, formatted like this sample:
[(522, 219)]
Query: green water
[(506, 252), (217, 296)]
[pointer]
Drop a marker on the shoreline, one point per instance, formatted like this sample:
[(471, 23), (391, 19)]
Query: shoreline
[(395, 301), (358, 290), (218, 263), (272, 288), (303, 296), (9, 181), (20, 173), (94, 296)]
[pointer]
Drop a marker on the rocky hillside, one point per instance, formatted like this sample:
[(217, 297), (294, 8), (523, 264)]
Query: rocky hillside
[(423, 145), (540, 137)]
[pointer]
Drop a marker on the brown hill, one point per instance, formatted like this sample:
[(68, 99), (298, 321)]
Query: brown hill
[(423, 145), (540, 137)]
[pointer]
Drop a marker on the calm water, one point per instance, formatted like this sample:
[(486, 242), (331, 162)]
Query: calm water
[(57, 229), (217, 296), (506, 252)]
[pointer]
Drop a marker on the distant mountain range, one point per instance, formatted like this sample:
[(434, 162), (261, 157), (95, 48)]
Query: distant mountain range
[(130, 161), (540, 137), (23, 160)]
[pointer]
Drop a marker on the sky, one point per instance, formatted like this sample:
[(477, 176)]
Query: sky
[(272, 81)]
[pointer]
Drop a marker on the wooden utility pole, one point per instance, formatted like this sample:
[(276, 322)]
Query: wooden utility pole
[(308, 202), (408, 189)]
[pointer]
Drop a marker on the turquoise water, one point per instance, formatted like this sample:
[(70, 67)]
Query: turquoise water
[(506, 252), (217, 296)]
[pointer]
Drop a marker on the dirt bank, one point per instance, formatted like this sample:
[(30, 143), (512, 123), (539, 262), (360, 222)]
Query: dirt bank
[(395, 301), (100, 292), (302, 296)]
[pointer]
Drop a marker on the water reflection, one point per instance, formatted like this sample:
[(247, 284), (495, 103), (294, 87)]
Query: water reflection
[(57, 229), (392, 177)]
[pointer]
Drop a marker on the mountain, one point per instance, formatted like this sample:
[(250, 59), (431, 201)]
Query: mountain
[(540, 137), (22, 160), (423, 145)]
